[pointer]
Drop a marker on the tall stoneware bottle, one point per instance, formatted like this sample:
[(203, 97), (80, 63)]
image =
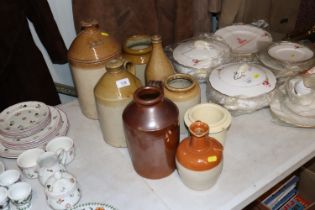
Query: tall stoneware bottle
[(152, 132), (87, 55), (184, 91), (199, 158), (159, 66), (137, 49), (113, 92)]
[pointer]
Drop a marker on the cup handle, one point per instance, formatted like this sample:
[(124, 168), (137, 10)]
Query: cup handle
[(62, 156), (130, 67)]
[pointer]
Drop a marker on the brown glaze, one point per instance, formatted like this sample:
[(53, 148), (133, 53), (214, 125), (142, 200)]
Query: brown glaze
[(159, 67), (152, 132), (92, 46), (199, 152), (137, 49)]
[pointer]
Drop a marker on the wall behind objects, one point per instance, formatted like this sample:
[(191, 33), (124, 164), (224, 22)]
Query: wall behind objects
[(62, 11)]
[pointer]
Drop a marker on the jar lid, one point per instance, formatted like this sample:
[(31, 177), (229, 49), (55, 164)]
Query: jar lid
[(201, 52), (242, 79), (245, 39), (60, 183), (92, 46)]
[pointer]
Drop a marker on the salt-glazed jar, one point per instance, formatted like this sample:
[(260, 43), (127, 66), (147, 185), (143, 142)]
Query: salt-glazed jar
[(62, 191), (152, 132), (87, 55), (137, 49), (199, 158), (159, 66), (113, 93), (184, 91)]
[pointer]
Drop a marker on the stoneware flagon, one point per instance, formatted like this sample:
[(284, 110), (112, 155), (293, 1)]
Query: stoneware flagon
[(113, 93), (199, 158), (152, 132), (87, 55)]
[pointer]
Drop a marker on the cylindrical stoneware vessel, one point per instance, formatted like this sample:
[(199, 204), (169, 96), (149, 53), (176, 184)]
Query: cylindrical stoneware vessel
[(137, 49), (113, 93), (87, 55), (152, 132), (199, 158), (184, 91)]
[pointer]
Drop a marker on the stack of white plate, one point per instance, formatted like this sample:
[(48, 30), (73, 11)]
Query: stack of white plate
[(29, 125)]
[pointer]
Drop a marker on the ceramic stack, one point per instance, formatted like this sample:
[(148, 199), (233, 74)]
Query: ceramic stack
[(184, 91), (113, 92), (159, 66), (137, 49), (152, 132), (87, 55), (199, 158)]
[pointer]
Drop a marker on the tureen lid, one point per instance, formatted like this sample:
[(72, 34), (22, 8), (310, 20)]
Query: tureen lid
[(242, 79), (245, 39), (201, 52), (60, 183)]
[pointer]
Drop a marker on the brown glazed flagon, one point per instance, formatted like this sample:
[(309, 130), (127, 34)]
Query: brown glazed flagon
[(152, 132)]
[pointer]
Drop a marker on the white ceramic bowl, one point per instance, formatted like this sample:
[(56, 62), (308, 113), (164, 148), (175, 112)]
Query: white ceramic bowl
[(217, 117)]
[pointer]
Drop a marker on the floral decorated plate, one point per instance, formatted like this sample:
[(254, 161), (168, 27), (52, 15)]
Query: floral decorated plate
[(24, 117), (242, 79), (245, 39), (93, 206), (46, 131), (290, 52), (9, 153)]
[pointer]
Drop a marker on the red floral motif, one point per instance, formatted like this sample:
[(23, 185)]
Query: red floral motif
[(60, 201), (241, 41), (296, 46), (195, 61), (266, 83)]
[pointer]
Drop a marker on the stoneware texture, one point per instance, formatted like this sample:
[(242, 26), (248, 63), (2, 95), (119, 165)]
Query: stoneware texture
[(113, 93), (159, 66), (152, 132), (137, 49), (87, 55), (184, 91)]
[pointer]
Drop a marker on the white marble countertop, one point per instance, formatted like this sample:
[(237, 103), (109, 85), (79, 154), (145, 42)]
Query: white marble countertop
[(258, 154)]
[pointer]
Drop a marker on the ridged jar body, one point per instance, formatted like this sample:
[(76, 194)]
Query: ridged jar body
[(199, 158), (137, 49), (152, 133), (113, 93), (87, 56), (184, 91), (159, 66)]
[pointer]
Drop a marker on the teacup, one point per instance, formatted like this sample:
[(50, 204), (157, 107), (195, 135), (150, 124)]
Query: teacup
[(4, 199), (63, 146), (21, 195), (9, 177), (27, 162), (48, 164)]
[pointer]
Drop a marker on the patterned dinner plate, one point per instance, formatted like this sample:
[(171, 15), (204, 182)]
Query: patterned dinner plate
[(93, 206), (24, 117)]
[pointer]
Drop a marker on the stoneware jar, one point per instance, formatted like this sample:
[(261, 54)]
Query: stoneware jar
[(152, 132), (113, 93), (199, 158), (87, 55), (159, 66), (217, 118), (62, 191), (184, 91), (137, 49)]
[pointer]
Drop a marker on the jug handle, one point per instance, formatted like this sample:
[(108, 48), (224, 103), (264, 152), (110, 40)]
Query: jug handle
[(130, 67), (62, 157)]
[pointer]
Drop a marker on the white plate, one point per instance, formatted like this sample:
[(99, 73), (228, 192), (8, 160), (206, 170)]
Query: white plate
[(50, 128), (241, 79), (24, 117), (2, 167), (290, 52), (93, 206), (245, 39), (9, 153)]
